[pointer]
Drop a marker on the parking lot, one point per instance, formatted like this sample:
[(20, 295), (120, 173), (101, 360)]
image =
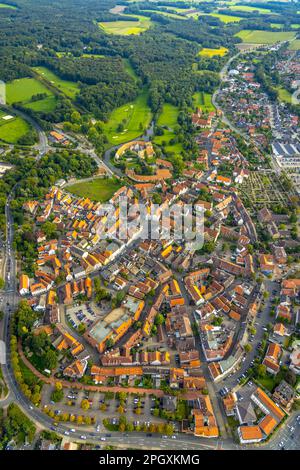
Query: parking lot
[(85, 313)]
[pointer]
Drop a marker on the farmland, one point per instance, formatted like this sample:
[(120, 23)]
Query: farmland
[(206, 52), (249, 9), (295, 45), (11, 131), (98, 189), (168, 120), (125, 28), (264, 37), (128, 121), (226, 18), (68, 88), (5, 5)]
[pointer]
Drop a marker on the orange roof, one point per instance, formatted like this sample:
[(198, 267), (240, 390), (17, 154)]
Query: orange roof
[(250, 432), (270, 404), (267, 424)]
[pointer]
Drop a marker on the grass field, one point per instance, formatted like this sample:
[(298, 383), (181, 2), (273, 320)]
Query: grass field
[(264, 37), (129, 69), (12, 131), (168, 119), (46, 105), (206, 52), (97, 190), (4, 5), (284, 95), (226, 18), (135, 118), (170, 14), (203, 100), (22, 90), (295, 45), (125, 28), (249, 9), (70, 89)]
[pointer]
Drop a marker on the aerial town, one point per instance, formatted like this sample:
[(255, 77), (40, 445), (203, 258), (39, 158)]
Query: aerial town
[(120, 340)]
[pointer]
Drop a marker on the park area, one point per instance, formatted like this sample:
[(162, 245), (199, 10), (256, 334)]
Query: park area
[(98, 189), (264, 37), (12, 129), (128, 121), (67, 87), (24, 91), (126, 27), (203, 101)]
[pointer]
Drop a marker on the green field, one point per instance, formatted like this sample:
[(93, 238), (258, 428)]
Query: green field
[(203, 100), (226, 18), (284, 95), (22, 90), (70, 89), (168, 14), (135, 118), (12, 131), (4, 5), (129, 69), (125, 28), (295, 45), (249, 9), (264, 37), (98, 189), (168, 120), (206, 52), (46, 105)]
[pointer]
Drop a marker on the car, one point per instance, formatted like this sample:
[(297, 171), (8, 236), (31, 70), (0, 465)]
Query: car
[(102, 438), (83, 437), (67, 433), (72, 430), (173, 437)]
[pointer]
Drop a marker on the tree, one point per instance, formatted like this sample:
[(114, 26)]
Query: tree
[(261, 370), (50, 359), (248, 348), (159, 319), (2, 283), (85, 404)]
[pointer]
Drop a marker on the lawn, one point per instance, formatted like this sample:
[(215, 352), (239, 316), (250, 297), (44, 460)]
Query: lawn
[(294, 45), (98, 189), (203, 100), (284, 95), (226, 18), (46, 105), (168, 119), (67, 87), (22, 90), (264, 37), (135, 117), (129, 69), (12, 131), (206, 52), (125, 28)]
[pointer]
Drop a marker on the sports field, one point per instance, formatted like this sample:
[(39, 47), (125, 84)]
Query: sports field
[(126, 28), (70, 89), (134, 117), (11, 131), (168, 120), (203, 100), (98, 189), (206, 52), (264, 37)]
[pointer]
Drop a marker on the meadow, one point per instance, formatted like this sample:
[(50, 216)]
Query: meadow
[(67, 87), (22, 90), (249, 9), (284, 95), (264, 37), (125, 28), (168, 120), (294, 45), (206, 52), (135, 117), (5, 5), (11, 131), (203, 100), (47, 105), (98, 189)]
